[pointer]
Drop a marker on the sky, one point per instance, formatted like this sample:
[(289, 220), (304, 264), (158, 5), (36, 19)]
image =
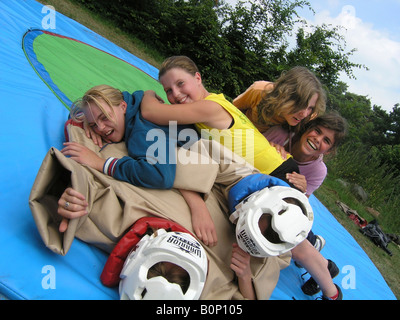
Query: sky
[(373, 28)]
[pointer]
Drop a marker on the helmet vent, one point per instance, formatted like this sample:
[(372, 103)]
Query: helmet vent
[(295, 202)]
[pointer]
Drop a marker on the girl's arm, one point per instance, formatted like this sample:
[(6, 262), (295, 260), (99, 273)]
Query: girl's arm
[(202, 222), (240, 263), (208, 112)]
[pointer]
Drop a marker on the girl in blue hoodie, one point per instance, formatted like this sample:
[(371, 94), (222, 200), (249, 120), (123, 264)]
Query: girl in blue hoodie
[(115, 116)]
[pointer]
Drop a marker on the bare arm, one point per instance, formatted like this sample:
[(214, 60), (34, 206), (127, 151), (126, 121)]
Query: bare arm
[(208, 112), (202, 222)]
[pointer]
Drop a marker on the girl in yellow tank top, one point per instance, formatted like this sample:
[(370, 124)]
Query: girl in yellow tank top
[(243, 138), (212, 114)]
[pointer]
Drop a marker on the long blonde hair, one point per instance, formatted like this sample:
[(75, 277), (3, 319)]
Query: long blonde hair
[(111, 96), (291, 93)]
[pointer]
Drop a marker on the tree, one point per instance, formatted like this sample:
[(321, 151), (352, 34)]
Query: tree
[(257, 33), (382, 127), (233, 46), (394, 129), (323, 51)]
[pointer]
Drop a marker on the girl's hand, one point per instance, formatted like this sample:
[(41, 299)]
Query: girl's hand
[(83, 155), (280, 149), (71, 205), (298, 180), (203, 225), (97, 139), (240, 262), (154, 94)]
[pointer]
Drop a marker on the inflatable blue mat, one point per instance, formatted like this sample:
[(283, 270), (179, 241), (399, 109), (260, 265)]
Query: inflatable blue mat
[(33, 114)]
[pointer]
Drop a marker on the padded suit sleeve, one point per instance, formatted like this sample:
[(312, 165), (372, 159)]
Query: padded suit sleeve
[(249, 185)]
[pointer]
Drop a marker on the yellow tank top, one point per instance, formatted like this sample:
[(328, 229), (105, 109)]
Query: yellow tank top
[(242, 138), (248, 101)]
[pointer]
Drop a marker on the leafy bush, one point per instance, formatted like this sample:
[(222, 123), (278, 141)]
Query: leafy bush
[(233, 46)]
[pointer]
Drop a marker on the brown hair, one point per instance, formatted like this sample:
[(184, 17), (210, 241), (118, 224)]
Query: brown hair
[(175, 274), (181, 62), (331, 120), (290, 94)]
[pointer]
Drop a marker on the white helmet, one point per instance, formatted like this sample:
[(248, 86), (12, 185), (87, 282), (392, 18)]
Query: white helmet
[(291, 222), (179, 248)]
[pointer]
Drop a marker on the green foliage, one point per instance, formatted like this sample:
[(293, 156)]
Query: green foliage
[(323, 51), (233, 46), (394, 125), (369, 157), (380, 180), (256, 33)]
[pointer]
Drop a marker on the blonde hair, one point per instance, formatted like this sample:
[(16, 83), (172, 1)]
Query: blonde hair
[(290, 94), (111, 96), (181, 62)]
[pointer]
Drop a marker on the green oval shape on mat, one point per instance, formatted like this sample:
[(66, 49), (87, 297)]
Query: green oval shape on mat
[(75, 67)]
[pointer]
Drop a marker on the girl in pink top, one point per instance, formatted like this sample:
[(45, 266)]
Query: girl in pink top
[(319, 137)]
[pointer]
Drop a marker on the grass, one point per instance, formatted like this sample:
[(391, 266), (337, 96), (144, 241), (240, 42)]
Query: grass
[(329, 192), (94, 22)]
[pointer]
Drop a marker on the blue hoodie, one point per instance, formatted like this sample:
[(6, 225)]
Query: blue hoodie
[(151, 148)]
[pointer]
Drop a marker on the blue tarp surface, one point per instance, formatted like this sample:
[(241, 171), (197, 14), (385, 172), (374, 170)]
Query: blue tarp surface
[(32, 120)]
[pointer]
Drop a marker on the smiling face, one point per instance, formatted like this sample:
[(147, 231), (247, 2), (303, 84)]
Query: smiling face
[(316, 141), (111, 128), (294, 119), (181, 87)]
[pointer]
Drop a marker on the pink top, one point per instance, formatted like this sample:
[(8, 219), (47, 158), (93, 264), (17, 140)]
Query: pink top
[(315, 171)]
